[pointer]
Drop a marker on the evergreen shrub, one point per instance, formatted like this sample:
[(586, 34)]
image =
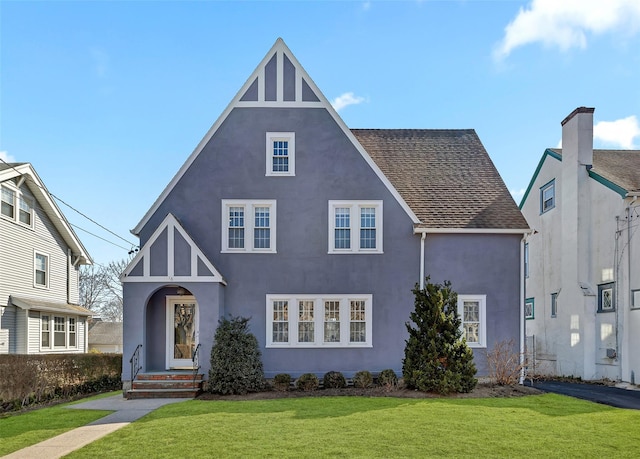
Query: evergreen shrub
[(236, 365), (308, 382), (334, 380), (437, 358), (362, 379)]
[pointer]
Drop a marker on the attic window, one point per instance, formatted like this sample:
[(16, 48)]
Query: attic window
[(8, 202), (281, 150), (548, 196)]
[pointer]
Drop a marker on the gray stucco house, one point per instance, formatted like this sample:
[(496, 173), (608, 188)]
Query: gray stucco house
[(319, 233)]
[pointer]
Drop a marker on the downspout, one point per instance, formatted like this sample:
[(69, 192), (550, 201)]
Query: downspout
[(68, 276), (522, 300), (422, 238)]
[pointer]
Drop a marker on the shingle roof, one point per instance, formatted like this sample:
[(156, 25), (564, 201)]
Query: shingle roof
[(105, 333), (621, 167), (445, 176)]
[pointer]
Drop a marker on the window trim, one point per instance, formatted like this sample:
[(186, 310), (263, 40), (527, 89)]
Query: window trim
[(318, 321), (289, 137), (18, 198), (531, 316), (482, 328), (249, 225), (355, 226), (47, 270), (601, 289), (554, 305), (67, 331), (547, 186)]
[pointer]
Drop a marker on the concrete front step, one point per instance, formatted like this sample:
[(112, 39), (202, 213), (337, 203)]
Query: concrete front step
[(166, 384), (183, 375)]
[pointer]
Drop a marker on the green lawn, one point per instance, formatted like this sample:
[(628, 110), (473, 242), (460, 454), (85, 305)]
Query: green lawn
[(18, 430), (534, 426)]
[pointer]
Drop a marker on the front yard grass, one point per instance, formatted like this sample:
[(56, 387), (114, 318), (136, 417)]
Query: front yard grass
[(19, 430), (533, 426)]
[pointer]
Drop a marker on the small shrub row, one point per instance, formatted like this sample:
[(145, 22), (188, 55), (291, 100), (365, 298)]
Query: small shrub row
[(33, 379), (335, 380)]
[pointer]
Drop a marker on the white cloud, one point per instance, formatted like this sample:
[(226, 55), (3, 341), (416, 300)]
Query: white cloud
[(566, 23), (619, 133), (346, 99), (615, 134), (366, 6), (6, 157), (517, 194)]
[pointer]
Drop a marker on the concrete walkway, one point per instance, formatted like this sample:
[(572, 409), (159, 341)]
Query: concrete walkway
[(125, 412)]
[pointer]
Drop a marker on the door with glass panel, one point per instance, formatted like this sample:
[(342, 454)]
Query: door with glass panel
[(182, 331)]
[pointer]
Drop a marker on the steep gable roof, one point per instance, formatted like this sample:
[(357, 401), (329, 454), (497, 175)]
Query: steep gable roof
[(278, 81), (446, 177), (9, 171), (162, 243)]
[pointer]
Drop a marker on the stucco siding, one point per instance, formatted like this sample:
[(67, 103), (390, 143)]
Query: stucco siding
[(481, 264), (328, 167)]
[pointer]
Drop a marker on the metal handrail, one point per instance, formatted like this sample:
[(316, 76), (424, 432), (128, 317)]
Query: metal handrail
[(135, 362), (196, 362)]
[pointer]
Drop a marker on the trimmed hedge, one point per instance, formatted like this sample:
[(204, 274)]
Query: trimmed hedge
[(32, 379)]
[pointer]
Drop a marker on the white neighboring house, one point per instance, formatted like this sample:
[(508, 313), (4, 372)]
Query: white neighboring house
[(40, 258), (582, 263)]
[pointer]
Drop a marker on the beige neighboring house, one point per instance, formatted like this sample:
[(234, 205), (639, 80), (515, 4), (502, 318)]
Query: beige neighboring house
[(105, 337), (583, 260), (40, 259)]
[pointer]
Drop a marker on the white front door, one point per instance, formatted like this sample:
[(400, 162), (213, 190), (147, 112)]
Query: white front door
[(182, 331)]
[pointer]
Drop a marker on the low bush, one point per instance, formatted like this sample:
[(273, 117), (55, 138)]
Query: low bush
[(504, 363), (388, 379), (282, 382), (334, 380), (307, 382), (362, 379)]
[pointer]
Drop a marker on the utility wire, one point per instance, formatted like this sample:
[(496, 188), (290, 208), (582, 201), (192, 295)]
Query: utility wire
[(77, 211)]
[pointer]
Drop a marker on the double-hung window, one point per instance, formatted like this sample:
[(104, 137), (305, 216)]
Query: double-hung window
[(58, 332), (8, 204), (472, 311), (548, 196), (355, 226), (249, 226), (15, 206), (319, 321), (41, 270), (281, 154)]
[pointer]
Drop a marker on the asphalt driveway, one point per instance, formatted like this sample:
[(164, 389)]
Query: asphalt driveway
[(613, 396)]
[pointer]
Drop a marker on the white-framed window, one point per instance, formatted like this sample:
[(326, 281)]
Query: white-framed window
[(40, 270), (529, 308), (319, 321), (249, 226), (548, 196), (554, 304), (16, 207), (45, 332), (281, 154), (606, 297), (8, 202), (25, 211), (58, 331), (472, 311), (355, 226)]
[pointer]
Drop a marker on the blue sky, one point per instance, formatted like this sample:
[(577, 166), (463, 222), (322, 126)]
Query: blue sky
[(108, 99)]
